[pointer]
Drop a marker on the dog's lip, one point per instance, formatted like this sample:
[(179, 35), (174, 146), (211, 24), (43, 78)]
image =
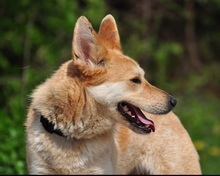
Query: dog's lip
[(139, 119)]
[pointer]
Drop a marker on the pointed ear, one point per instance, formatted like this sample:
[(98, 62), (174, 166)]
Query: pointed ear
[(108, 33), (87, 49)]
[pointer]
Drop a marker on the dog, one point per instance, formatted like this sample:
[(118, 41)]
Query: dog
[(97, 114)]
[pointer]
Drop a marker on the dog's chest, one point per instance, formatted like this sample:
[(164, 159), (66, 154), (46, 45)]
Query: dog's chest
[(71, 156)]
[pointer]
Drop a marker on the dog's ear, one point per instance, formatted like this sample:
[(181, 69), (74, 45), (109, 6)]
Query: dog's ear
[(108, 33), (88, 52), (87, 49)]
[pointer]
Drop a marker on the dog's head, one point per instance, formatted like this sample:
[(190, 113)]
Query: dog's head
[(116, 80)]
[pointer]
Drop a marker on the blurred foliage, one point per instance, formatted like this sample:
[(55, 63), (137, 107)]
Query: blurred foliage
[(36, 38)]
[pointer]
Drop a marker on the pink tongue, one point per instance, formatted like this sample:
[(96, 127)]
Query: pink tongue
[(146, 122), (143, 119)]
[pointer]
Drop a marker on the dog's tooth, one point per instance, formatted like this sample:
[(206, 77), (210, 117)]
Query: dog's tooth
[(147, 126), (133, 116), (125, 108)]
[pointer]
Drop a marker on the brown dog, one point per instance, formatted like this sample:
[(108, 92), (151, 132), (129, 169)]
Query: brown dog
[(86, 118)]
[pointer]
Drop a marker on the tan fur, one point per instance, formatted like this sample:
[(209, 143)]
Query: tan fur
[(81, 99)]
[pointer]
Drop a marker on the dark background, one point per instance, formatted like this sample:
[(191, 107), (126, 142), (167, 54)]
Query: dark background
[(177, 42)]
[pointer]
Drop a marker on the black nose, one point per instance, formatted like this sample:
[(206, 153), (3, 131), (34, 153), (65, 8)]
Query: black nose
[(173, 101)]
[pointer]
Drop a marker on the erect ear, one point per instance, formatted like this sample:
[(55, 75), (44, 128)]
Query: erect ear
[(87, 50), (108, 33)]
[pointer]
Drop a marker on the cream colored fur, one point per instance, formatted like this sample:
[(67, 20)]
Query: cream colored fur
[(81, 99)]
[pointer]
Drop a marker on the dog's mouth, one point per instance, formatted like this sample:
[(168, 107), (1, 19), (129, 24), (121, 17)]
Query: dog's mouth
[(136, 117)]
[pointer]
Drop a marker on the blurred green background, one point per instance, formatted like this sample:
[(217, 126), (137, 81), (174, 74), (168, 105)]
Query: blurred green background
[(177, 42)]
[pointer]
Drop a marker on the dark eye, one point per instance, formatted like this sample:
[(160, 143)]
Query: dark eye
[(136, 80)]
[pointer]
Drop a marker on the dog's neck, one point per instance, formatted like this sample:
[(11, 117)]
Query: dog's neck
[(73, 111), (49, 126), (85, 127)]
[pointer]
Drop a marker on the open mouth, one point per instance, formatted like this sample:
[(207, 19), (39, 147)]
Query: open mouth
[(136, 117)]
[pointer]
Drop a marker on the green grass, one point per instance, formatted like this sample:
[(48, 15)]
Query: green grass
[(199, 115), (12, 145)]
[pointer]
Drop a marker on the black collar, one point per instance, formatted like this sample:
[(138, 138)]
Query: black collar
[(49, 126)]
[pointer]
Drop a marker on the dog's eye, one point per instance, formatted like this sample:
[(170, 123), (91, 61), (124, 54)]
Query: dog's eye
[(136, 80)]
